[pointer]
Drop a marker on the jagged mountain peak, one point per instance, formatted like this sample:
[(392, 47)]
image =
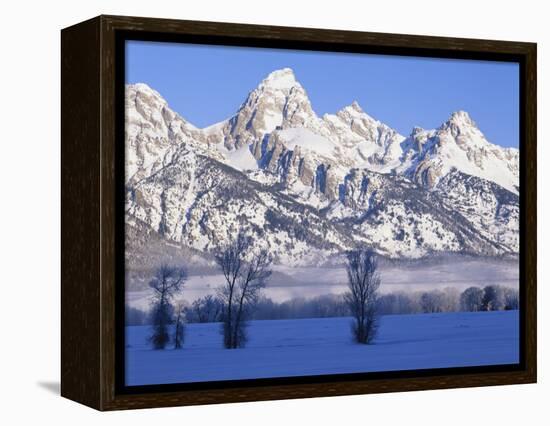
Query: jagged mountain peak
[(142, 87), (278, 102), (276, 90), (283, 79), (460, 122), (142, 100), (141, 95), (458, 144), (417, 130), (354, 114), (354, 106), (461, 117), (354, 110)]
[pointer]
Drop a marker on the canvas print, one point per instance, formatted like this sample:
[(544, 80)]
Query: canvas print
[(298, 213)]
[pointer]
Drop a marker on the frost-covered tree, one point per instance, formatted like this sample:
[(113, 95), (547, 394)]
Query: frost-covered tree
[(432, 302), (205, 309), (493, 298), (167, 281), (363, 284), (451, 299), (326, 306), (511, 299), (398, 303), (471, 299), (244, 281)]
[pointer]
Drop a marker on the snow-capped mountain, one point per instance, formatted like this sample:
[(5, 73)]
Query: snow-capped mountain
[(458, 144), (309, 187), (154, 132), (278, 102)]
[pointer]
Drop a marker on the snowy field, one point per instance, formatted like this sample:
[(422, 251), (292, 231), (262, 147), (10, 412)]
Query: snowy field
[(283, 348), (308, 282)]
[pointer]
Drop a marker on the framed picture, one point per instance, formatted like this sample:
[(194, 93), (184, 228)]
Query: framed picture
[(256, 212)]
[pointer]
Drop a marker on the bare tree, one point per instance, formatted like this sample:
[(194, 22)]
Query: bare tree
[(471, 299), (363, 283), (167, 281), (179, 330), (244, 281), (398, 303), (432, 302), (451, 299), (205, 309)]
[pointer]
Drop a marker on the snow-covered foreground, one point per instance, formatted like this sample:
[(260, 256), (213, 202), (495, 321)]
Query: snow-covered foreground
[(283, 348)]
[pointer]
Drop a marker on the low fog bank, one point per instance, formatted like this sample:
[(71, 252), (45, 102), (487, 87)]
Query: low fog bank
[(473, 299), (287, 283)]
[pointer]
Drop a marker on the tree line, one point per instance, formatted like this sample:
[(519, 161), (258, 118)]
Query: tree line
[(473, 299), (239, 299)]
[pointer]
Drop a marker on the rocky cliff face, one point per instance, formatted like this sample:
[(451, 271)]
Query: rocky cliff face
[(200, 203), (309, 187)]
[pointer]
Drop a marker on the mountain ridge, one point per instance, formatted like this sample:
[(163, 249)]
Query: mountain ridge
[(347, 166)]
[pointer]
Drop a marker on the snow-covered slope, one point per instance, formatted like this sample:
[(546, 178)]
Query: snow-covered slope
[(492, 210), (200, 203), (154, 132), (402, 219), (367, 142), (275, 160), (458, 144)]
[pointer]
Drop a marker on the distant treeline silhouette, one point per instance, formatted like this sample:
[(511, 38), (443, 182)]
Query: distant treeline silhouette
[(473, 299)]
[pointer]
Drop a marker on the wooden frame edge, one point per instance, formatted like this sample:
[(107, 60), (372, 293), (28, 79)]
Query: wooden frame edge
[(80, 206)]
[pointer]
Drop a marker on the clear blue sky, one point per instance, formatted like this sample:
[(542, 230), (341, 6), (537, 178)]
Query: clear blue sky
[(206, 84)]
